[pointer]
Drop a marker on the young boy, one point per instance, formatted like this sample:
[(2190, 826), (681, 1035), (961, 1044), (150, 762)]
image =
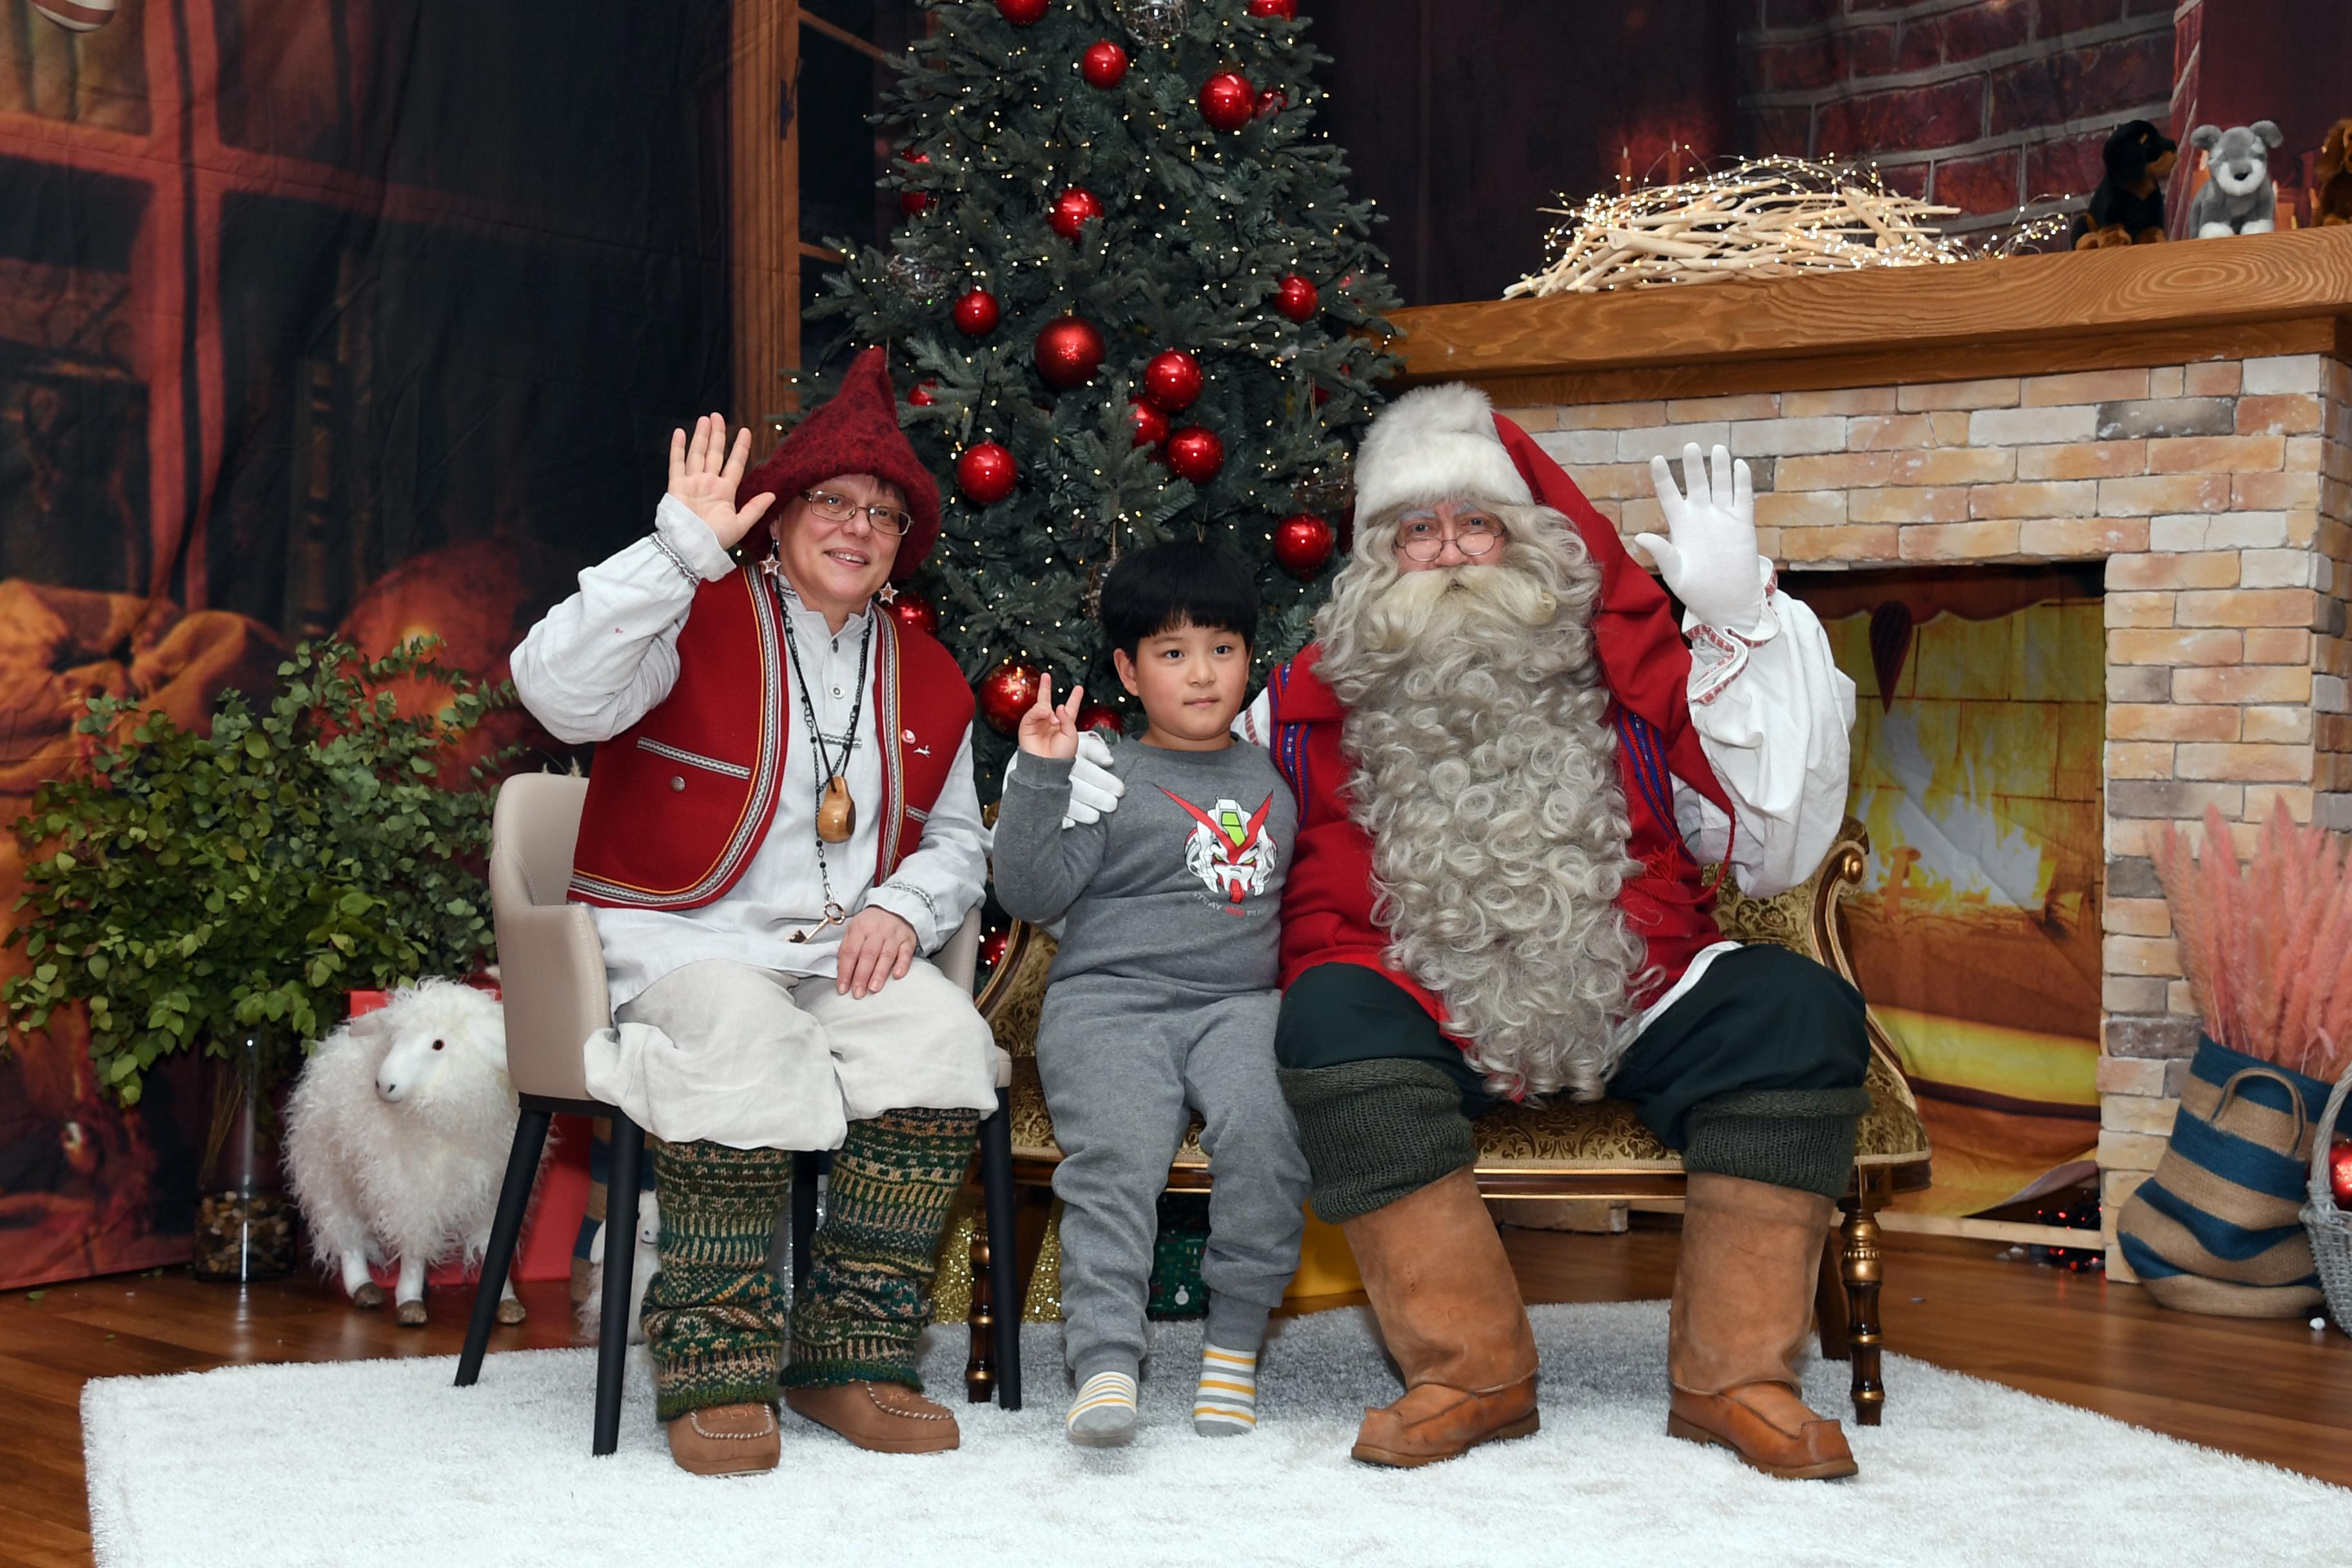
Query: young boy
[(1163, 992)]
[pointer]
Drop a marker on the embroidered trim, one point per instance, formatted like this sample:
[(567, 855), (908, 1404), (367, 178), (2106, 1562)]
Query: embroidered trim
[(901, 1411), (918, 814), (888, 721), (688, 572), (1639, 740), (1733, 649), (679, 754), (910, 889)]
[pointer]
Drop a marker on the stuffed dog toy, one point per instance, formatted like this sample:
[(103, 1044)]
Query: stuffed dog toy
[(2238, 197), (2128, 206)]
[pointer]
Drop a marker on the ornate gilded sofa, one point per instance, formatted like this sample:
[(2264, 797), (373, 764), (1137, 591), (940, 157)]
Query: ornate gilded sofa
[(1597, 1151)]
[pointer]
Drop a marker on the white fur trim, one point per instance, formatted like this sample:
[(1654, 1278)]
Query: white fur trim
[(1434, 443)]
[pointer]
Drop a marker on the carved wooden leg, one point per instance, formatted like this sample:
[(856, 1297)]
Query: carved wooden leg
[(1829, 1302), (980, 1362), (1862, 1270)]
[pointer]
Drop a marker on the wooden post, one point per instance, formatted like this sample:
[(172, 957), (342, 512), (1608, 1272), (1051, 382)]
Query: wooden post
[(1863, 1277), (979, 1366), (763, 217)]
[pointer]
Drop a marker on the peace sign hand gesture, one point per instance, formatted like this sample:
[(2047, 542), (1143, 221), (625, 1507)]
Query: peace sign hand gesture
[(704, 475), (1050, 731)]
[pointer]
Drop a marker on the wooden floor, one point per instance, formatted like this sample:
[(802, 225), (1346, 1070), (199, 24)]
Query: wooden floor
[(2272, 1391)]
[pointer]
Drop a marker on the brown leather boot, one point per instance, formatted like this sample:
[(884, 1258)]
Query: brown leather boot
[(1743, 1306), (725, 1440), (883, 1418), (1449, 1307)]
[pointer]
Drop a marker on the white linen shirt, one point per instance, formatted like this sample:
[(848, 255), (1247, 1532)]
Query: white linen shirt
[(603, 659), (1774, 726)]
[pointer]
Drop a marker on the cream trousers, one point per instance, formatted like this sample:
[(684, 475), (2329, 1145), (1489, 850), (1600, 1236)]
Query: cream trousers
[(754, 1058)]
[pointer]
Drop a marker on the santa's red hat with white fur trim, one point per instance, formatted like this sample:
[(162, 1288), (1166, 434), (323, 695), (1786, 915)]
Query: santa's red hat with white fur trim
[(1435, 444)]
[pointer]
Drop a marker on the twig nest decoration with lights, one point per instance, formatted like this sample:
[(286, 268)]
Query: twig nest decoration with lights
[(1767, 217)]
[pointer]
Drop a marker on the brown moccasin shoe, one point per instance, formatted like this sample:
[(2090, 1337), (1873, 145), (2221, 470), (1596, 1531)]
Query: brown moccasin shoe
[(883, 1418), (725, 1440), (1434, 1422), (1768, 1426)]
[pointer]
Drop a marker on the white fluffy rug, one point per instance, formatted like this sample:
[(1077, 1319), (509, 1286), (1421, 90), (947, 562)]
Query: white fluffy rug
[(368, 1462)]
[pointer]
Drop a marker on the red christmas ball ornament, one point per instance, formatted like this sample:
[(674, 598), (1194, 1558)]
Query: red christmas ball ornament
[(976, 314), (986, 473), (1024, 13), (924, 393), (1270, 100), (1007, 692), (1303, 544), (992, 948), (913, 202), (2339, 1173), (1104, 65), (916, 613), (1286, 10), (1073, 210), (1322, 395), (1100, 716), (1227, 100), (1195, 453), (1173, 381), (1069, 351), (1295, 298), (1150, 426)]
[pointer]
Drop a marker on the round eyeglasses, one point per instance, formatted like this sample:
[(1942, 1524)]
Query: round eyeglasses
[(837, 508), (1421, 537)]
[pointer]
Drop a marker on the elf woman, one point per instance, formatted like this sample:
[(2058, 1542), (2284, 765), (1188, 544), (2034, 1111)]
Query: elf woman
[(780, 822)]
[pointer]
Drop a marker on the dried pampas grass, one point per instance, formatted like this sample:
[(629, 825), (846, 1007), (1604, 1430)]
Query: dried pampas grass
[(2268, 948)]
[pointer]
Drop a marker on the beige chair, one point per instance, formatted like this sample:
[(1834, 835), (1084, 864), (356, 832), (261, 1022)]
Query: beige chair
[(551, 969), (1597, 1151)]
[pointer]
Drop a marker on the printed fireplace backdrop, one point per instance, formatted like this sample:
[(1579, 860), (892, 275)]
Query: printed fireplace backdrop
[(1976, 754)]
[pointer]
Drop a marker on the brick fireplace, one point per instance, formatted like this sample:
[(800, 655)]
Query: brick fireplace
[(2180, 415)]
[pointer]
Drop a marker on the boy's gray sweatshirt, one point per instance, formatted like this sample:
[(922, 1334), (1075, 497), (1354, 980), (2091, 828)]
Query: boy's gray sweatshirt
[(1182, 884)]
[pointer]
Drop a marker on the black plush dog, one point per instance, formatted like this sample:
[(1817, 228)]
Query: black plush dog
[(2128, 206)]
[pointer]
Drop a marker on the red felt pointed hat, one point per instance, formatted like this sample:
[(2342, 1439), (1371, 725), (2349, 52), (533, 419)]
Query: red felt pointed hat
[(856, 432)]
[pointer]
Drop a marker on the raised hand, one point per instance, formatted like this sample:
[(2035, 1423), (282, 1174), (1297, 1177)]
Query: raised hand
[(1047, 730), (1711, 562), (704, 474)]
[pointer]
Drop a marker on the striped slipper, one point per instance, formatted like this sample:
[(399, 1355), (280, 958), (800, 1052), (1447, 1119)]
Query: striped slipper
[(1103, 1415), (1226, 1405)]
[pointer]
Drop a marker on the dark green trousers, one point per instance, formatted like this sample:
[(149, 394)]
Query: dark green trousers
[(1757, 1071)]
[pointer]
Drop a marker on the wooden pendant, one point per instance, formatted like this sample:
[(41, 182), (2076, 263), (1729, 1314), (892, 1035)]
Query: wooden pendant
[(836, 813)]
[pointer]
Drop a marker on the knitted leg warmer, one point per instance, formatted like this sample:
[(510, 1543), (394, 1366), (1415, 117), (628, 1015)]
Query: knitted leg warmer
[(711, 1318), (1799, 1138), (1376, 1130), (869, 1283)]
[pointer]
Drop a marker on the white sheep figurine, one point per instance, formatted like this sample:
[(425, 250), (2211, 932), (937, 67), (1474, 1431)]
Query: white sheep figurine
[(646, 1264), (396, 1141)]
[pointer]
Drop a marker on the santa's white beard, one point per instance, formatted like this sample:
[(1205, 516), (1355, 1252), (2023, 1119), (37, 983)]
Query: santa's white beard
[(1486, 773)]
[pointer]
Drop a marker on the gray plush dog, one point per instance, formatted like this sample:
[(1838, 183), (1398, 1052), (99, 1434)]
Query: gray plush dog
[(2238, 197)]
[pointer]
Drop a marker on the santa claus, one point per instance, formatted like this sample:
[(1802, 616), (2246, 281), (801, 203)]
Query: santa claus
[(1512, 768)]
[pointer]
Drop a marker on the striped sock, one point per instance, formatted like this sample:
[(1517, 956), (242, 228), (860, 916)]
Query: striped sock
[(1226, 1405), (1103, 1415)]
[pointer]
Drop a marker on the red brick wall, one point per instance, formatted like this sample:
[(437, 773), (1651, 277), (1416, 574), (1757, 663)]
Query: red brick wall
[(1977, 104)]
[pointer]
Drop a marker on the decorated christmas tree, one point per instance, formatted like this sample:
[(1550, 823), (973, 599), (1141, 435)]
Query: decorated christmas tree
[(1131, 301)]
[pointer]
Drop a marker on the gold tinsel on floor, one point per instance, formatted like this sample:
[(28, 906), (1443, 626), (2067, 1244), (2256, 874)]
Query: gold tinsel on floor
[(1767, 217)]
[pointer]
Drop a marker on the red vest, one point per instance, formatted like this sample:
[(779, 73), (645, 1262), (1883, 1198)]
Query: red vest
[(1327, 903), (678, 803)]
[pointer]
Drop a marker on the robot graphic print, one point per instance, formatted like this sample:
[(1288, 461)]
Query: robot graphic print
[(1229, 850)]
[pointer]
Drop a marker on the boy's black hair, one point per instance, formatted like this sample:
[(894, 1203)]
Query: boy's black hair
[(1184, 582)]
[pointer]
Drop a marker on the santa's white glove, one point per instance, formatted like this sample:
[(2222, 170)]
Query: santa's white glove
[(1711, 562), (1093, 788)]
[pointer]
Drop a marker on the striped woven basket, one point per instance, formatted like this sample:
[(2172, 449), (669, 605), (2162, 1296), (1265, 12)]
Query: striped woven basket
[(2219, 1227), (2330, 1227)]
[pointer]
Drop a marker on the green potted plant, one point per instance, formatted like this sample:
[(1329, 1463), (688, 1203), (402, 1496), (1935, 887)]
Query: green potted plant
[(221, 892)]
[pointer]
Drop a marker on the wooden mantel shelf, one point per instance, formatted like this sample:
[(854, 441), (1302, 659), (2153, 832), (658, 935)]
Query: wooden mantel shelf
[(2149, 304)]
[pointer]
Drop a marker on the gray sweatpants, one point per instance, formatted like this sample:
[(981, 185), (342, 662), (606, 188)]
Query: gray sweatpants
[(1124, 1063)]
